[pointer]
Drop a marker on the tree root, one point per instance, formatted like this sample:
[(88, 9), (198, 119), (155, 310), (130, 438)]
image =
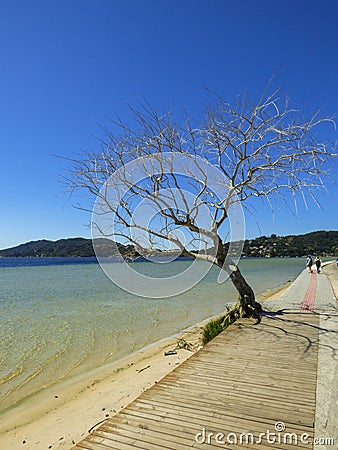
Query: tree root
[(231, 316)]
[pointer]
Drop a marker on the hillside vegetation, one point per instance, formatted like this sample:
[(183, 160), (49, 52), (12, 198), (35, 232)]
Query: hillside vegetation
[(323, 243), (72, 247)]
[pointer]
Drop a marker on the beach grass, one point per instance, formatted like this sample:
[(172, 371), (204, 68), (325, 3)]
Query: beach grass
[(212, 329), (219, 324)]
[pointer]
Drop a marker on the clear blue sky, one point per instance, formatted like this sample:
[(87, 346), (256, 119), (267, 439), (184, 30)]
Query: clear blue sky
[(69, 64)]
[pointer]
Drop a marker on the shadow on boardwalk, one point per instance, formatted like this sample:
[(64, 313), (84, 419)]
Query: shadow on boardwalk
[(251, 379), (282, 316)]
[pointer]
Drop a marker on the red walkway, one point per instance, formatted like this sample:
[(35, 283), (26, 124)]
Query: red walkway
[(308, 303)]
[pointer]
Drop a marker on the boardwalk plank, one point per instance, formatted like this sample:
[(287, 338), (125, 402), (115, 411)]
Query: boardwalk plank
[(248, 402), (177, 430), (217, 416), (244, 381), (160, 435), (249, 379), (165, 414), (241, 411), (278, 395), (211, 425)]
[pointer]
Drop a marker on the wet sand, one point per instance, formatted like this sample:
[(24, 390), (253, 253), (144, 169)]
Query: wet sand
[(274, 294)]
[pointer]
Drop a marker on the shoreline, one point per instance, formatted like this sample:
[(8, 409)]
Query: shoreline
[(62, 414)]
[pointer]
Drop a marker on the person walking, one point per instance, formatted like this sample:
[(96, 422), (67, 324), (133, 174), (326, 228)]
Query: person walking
[(318, 263), (309, 263)]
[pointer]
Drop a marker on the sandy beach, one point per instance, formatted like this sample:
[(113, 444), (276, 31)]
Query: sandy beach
[(63, 414)]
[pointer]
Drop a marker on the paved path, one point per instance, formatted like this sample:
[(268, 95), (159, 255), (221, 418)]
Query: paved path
[(313, 293), (310, 292), (276, 377)]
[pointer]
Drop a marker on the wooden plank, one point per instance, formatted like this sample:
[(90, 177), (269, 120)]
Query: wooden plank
[(171, 430), (280, 395), (211, 425), (256, 379), (245, 380), (248, 405), (149, 425), (243, 365), (199, 416), (187, 396), (179, 421), (114, 441), (145, 440), (88, 444), (159, 436), (288, 415)]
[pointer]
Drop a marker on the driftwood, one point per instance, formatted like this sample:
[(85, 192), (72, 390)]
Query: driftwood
[(98, 423), (170, 352), (181, 344), (184, 344), (144, 368)]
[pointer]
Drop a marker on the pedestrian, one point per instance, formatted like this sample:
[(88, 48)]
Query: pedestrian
[(318, 263), (337, 262), (309, 263)]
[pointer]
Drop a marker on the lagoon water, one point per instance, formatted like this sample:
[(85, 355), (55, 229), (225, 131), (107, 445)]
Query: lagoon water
[(60, 317)]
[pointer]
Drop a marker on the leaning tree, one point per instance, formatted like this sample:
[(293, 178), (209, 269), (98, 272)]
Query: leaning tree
[(189, 176)]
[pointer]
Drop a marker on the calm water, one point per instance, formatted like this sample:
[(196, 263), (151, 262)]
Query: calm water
[(61, 316)]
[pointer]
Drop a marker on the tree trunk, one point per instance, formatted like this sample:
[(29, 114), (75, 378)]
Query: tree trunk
[(248, 305)]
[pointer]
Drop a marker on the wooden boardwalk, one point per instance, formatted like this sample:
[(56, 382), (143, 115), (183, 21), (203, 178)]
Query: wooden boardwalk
[(250, 379)]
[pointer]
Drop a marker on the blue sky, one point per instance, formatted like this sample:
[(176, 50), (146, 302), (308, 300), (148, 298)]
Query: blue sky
[(67, 66)]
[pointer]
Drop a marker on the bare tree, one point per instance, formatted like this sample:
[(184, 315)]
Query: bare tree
[(263, 150)]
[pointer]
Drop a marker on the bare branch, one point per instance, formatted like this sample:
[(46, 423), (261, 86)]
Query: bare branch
[(264, 150)]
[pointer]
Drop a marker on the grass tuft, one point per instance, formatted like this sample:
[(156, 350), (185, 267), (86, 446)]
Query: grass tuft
[(212, 329), (216, 326)]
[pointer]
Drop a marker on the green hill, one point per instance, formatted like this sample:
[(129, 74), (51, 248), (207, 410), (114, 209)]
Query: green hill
[(323, 243), (64, 247)]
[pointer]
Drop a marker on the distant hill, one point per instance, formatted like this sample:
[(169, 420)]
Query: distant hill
[(323, 243), (64, 247)]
